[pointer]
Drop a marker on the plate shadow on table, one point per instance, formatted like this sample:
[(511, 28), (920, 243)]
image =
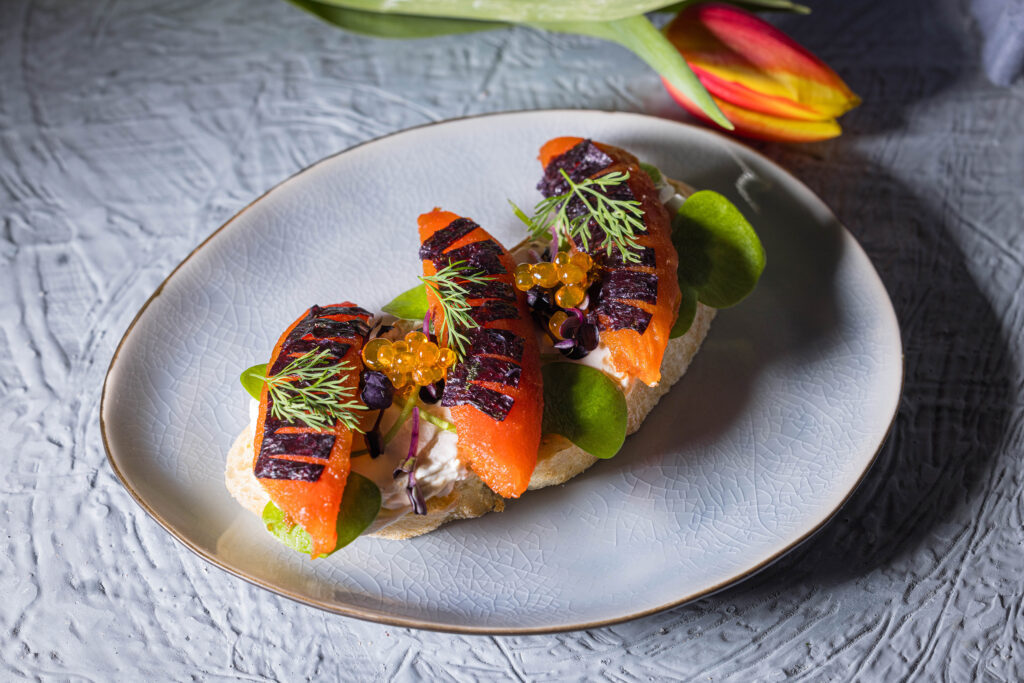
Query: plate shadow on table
[(954, 414)]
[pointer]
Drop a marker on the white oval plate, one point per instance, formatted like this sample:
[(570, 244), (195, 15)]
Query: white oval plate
[(778, 419)]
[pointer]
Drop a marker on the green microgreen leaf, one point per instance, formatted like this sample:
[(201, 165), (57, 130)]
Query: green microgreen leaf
[(409, 305), (720, 255), (687, 310), (252, 379), (360, 504), (653, 172), (585, 406)]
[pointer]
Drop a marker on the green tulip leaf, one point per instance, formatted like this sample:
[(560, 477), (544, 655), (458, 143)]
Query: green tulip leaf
[(720, 255), (360, 504), (519, 11), (752, 5), (409, 305), (639, 35), (687, 310), (386, 25), (252, 379), (585, 406)]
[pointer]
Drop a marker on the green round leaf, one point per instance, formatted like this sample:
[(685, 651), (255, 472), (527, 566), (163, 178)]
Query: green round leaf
[(360, 504), (409, 305), (687, 310), (585, 406), (720, 255), (252, 379), (359, 507)]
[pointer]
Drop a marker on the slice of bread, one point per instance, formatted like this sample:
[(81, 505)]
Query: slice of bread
[(558, 460)]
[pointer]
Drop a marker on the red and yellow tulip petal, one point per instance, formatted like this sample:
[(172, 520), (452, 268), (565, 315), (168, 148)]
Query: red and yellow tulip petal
[(726, 45), (754, 124)]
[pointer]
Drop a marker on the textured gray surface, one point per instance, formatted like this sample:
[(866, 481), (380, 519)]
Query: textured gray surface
[(129, 132)]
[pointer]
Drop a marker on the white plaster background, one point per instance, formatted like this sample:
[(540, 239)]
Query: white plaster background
[(130, 130)]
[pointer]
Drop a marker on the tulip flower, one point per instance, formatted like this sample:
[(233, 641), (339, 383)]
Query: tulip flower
[(766, 84)]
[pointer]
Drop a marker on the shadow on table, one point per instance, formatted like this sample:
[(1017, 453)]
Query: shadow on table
[(954, 413)]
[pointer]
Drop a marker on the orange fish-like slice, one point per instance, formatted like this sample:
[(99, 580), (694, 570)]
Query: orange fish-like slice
[(304, 470), (495, 392), (636, 304)]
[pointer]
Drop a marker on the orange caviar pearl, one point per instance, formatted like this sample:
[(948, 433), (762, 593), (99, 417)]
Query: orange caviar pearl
[(583, 260), (570, 296), (523, 277), (545, 275)]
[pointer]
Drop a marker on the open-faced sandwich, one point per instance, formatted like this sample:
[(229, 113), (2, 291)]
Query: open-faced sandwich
[(501, 371)]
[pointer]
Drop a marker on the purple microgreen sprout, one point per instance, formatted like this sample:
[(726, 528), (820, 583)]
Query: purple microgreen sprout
[(408, 467)]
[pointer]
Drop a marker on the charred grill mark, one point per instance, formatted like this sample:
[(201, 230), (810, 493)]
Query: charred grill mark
[(630, 285), (496, 342), (321, 328), (615, 315), (487, 369), (435, 245), (484, 255), (614, 259), (494, 289), (582, 161), (269, 467), (494, 404), (314, 332), (324, 311), (310, 444), (492, 310)]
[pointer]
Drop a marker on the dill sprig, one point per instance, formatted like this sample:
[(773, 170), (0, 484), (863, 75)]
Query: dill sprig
[(619, 219), (313, 392), (448, 287)]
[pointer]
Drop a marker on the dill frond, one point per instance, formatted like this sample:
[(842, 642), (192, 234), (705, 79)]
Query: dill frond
[(311, 391), (619, 219), (448, 287)]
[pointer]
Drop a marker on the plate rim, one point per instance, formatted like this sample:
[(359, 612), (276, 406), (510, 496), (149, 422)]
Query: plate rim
[(382, 617)]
